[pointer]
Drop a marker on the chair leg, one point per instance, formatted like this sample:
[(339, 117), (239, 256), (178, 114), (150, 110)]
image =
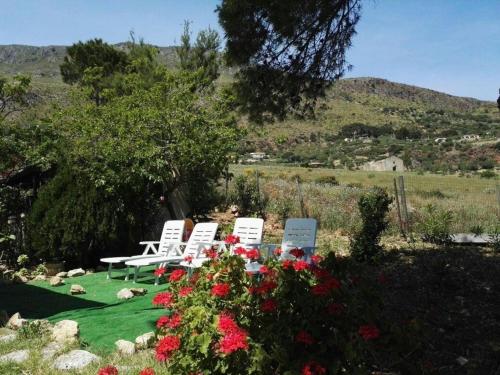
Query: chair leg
[(126, 273), (136, 273), (110, 266), (157, 279)]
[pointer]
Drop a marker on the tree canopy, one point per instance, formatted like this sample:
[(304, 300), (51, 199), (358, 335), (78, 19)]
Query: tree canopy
[(13, 94), (288, 51)]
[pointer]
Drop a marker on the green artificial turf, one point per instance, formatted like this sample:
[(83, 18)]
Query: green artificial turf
[(102, 317)]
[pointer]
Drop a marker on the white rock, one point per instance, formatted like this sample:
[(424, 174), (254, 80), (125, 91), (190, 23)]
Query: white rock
[(20, 279), (18, 356), (75, 359), (145, 341), (125, 347), (62, 274), (462, 361), (8, 338), (65, 330), (52, 348), (125, 294), (76, 272), (139, 291), (77, 289), (16, 322), (40, 278), (56, 281)]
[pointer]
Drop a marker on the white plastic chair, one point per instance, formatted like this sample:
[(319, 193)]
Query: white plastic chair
[(171, 238), (249, 230), (201, 238), (299, 233)]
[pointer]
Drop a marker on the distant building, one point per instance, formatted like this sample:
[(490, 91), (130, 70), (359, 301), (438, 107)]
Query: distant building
[(391, 163), (258, 155), (316, 164), (470, 137), (440, 140)]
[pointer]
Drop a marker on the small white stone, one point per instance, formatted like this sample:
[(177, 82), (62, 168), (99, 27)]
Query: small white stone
[(51, 350), (76, 272), (56, 281), (139, 291), (125, 347), (40, 278), (462, 361), (18, 356), (16, 322), (145, 341), (75, 359), (8, 338), (62, 274), (124, 294), (77, 289)]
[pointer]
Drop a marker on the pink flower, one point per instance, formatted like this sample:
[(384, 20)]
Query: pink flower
[(304, 337), (108, 370), (220, 290), (166, 346), (232, 239), (369, 332), (160, 271), (176, 275), (185, 291)]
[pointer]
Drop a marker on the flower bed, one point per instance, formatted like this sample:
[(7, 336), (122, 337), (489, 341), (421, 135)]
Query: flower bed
[(293, 318)]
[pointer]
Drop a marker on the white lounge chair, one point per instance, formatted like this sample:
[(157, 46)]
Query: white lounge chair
[(299, 233), (201, 238), (171, 238), (249, 230)]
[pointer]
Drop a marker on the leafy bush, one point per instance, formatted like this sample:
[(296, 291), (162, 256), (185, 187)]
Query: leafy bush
[(34, 329), (40, 270), (283, 207), (373, 207), (23, 260), (222, 320), (488, 174), (434, 224), (247, 196)]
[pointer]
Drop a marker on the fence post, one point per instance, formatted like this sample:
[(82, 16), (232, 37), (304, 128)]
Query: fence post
[(402, 193), (301, 199), (398, 208)]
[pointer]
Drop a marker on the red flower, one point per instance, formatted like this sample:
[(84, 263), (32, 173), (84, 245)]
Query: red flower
[(287, 264), (304, 338), (160, 271), (297, 253), (108, 370), (316, 258), (332, 282), (277, 251), (211, 253), (253, 254), (320, 290), (232, 239), (240, 251), (369, 332), (173, 321), (321, 273), (226, 323), (264, 270), (335, 308), (147, 371), (266, 287), (176, 275), (188, 258), (209, 276), (268, 305), (162, 321), (166, 346), (164, 299), (220, 290), (300, 265), (185, 291), (313, 368), (233, 341)]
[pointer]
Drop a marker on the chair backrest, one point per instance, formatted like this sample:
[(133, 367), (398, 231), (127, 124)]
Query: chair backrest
[(249, 230), (172, 232), (202, 233), (299, 233)]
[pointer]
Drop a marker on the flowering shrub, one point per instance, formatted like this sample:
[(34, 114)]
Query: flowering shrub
[(294, 317), (108, 370)]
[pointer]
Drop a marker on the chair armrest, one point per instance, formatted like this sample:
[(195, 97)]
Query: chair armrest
[(149, 242)]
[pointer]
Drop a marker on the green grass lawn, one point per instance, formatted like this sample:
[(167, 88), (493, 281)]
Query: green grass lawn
[(102, 317)]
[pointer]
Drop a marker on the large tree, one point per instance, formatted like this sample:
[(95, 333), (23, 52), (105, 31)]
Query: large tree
[(13, 95), (92, 64), (288, 52)]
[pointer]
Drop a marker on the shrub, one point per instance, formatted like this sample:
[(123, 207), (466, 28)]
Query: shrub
[(41, 270), (34, 329), (373, 207), (488, 174), (434, 224), (247, 196), (283, 207), (327, 180), (289, 320), (23, 260)]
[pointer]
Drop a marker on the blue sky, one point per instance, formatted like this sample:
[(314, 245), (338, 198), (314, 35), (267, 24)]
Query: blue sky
[(446, 45)]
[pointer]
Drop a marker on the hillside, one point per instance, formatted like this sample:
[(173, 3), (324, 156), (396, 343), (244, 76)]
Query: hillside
[(378, 117)]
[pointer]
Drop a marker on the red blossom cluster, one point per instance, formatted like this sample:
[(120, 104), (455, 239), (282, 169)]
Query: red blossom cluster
[(166, 346), (172, 322), (164, 299), (313, 368), (234, 338), (304, 337), (252, 254), (220, 290), (369, 332), (176, 275), (297, 253), (326, 282), (160, 271), (185, 291), (265, 287), (232, 239), (188, 258), (269, 305), (108, 370), (211, 253), (147, 371)]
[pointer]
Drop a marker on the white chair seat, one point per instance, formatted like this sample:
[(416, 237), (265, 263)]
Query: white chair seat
[(115, 259)]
